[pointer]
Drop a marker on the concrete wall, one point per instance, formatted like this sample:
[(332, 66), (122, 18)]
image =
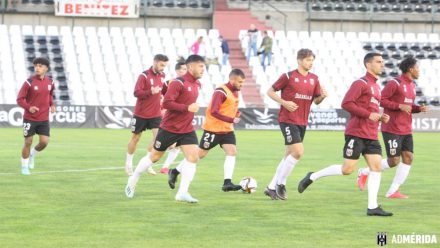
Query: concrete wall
[(150, 21), (297, 20)]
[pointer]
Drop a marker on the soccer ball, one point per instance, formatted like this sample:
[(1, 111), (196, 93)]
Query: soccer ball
[(248, 185)]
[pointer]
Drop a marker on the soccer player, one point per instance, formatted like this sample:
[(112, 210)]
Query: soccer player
[(176, 127), (147, 115), (221, 114), (173, 151), (362, 101), (299, 88), (36, 98), (398, 102)]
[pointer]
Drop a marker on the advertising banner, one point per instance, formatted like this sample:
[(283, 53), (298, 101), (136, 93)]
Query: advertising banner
[(98, 8), (64, 116), (119, 117)]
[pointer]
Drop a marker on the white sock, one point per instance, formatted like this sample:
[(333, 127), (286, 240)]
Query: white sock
[(172, 155), (24, 162), (373, 188), (34, 152), (188, 171), (402, 172), (384, 166), (332, 170), (180, 165), (129, 159), (365, 171), (229, 167), (288, 165), (277, 172), (142, 166)]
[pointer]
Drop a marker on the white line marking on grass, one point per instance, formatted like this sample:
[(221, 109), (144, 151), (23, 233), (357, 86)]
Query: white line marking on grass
[(76, 170)]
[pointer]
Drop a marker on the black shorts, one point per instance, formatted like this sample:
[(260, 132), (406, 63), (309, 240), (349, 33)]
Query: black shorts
[(292, 133), (210, 140), (30, 128), (395, 144), (165, 139), (355, 146), (139, 124)]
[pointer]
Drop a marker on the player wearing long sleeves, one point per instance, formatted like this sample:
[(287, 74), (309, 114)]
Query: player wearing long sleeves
[(148, 90), (176, 127), (36, 98), (398, 97)]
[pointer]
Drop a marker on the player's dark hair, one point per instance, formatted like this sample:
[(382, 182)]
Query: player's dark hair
[(407, 64), (42, 61), (194, 58), (369, 57), (179, 65), (304, 53), (237, 72), (160, 57)]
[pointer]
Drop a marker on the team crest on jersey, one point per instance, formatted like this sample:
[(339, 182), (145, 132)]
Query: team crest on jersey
[(392, 151), (296, 80), (312, 81), (189, 88), (408, 100), (157, 144), (206, 145), (35, 87), (374, 100), (349, 152)]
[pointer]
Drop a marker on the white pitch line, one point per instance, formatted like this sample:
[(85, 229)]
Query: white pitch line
[(76, 170)]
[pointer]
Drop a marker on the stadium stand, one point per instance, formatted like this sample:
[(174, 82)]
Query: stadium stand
[(99, 66), (339, 56)]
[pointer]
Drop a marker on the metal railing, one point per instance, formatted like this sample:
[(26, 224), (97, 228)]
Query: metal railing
[(274, 8)]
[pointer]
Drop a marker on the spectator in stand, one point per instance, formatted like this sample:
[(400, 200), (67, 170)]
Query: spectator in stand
[(195, 48), (266, 49), (252, 42), (225, 50)]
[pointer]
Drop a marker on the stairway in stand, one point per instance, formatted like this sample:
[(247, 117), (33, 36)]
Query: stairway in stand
[(229, 22)]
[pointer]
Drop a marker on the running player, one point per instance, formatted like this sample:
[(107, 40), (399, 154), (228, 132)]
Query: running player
[(221, 114), (362, 101), (398, 102), (36, 98), (299, 89), (147, 114), (176, 127)]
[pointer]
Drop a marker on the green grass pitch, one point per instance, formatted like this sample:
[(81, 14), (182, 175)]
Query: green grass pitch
[(60, 207)]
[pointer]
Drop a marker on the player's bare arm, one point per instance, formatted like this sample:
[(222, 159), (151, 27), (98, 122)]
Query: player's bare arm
[(321, 98)]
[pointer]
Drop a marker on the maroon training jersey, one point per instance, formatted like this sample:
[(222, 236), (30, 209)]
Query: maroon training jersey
[(148, 104), (38, 93), (362, 99), (401, 90), (180, 94), (300, 90)]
